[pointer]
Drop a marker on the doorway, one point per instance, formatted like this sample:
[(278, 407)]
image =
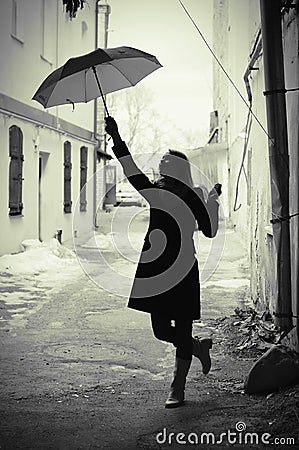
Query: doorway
[(43, 158)]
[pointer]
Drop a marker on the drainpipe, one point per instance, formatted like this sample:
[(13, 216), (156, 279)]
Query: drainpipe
[(256, 53), (95, 128), (278, 156), (99, 9)]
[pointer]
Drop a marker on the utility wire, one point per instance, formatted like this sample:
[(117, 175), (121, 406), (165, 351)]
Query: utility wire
[(227, 75)]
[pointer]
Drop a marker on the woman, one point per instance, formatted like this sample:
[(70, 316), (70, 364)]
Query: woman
[(166, 282)]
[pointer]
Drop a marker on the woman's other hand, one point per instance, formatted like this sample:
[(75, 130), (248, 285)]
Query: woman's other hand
[(217, 188), (215, 192)]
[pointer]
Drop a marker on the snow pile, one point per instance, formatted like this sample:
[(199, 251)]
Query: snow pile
[(38, 258), (29, 278)]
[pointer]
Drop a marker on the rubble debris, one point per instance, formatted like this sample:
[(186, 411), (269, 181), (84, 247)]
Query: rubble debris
[(275, 369), (259, 329)]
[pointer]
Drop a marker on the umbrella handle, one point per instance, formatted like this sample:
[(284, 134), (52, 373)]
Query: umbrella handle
[(99, 86)]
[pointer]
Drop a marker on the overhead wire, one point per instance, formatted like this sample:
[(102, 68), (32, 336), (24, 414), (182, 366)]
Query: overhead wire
[(225, 72)]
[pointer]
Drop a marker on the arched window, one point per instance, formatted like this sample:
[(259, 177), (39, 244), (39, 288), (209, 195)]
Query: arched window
[(83, 178), (15, 170), (17, 24), (67, 204)]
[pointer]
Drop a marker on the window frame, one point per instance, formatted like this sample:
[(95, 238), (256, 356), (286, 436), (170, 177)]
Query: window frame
[(17, 21), (15, 177), (67, 178), (83, 177), (48, 30)]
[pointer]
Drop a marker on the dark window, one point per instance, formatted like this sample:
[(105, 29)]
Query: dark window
[(67, 178), (83, 178), (15, 170)]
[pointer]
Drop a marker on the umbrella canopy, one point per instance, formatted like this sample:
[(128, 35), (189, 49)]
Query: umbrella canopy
[(89, 76)]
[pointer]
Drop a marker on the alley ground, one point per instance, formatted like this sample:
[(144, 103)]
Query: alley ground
[(79, 370)]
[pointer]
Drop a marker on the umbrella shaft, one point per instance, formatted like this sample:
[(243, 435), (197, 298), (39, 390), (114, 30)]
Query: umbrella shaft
[(100, 88)]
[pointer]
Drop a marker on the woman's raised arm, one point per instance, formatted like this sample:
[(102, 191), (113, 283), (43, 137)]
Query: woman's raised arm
[(135, 176)]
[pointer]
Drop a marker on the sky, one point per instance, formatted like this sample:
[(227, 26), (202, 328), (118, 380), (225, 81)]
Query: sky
[(183, 86)]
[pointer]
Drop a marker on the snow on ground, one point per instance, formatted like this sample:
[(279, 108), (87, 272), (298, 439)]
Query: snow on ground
[(116, 242), (100, 242), (48, 258), (28, 277)]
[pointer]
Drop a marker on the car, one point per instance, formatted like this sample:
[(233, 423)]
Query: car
[(127, 195)]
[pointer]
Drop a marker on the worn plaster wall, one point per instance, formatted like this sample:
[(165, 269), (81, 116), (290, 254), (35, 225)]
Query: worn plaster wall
[(291, 58), (236, 25)]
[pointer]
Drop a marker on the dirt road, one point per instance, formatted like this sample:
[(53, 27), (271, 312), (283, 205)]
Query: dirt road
[(82, 371)]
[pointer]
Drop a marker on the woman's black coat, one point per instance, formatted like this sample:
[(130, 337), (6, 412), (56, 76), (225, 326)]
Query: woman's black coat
[(167, 277)]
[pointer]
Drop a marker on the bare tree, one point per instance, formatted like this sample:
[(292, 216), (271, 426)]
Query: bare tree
[(141, 123), (143, 127), (191, 139), (138, 103)]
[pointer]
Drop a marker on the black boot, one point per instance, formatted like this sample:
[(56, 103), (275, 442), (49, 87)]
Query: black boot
[(201, 349), (176, 396)]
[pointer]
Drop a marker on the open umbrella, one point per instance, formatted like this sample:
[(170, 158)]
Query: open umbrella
[(95, 74)]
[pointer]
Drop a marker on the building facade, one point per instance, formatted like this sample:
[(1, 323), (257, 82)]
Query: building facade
[(46, 156), (237, 152), (242, 130)]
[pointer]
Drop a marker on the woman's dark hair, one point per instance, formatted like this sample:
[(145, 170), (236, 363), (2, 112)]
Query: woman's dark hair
[(177, 153), (179, 177)]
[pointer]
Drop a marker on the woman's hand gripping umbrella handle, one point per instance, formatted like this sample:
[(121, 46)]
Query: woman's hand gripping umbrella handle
[(111, 128)]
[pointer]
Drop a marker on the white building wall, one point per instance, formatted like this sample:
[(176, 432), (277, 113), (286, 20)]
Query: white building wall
[(29, 52), (233, 34), (26, 66), (15, 229), (248, 190)]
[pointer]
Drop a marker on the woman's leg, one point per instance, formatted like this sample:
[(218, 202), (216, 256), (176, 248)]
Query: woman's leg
[(180, 335), (183, 339), (162, 328), (184, 347)]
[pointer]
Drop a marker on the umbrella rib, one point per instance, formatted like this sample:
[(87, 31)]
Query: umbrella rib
[(125, 76), (86, 85)]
